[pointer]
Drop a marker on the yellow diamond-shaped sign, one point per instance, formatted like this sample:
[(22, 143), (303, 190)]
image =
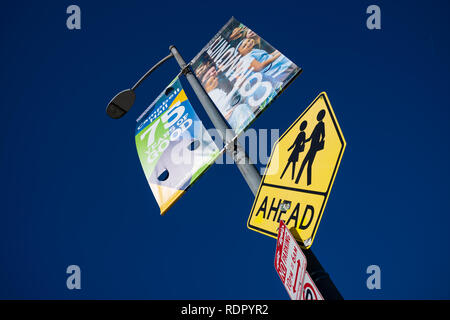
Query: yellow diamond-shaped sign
[(300, 173)]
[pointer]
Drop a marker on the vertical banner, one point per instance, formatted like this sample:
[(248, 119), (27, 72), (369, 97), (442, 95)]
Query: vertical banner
[(173, 145), (242, 73)]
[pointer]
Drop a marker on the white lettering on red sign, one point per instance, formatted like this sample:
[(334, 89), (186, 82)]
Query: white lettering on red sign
[(290, 262)]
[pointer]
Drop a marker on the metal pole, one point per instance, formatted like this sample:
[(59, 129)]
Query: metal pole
[(251, 174), (248, 171)]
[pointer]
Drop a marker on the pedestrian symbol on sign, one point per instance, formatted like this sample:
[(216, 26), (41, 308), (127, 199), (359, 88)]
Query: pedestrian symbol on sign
[(317, 143), (299, 146)]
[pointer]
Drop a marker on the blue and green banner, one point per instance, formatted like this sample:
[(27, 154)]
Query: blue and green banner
[(173, 145)]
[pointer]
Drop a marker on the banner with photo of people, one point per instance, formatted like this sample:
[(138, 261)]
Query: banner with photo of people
[(242, 73), (174, 147)]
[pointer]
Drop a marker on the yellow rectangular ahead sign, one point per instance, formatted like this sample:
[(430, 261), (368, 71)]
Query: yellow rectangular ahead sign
[(300, 173)]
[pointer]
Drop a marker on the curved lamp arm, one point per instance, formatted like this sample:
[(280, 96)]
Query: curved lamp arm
[(124, 100)]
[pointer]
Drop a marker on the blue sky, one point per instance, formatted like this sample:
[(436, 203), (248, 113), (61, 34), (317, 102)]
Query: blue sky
[(73, 191)]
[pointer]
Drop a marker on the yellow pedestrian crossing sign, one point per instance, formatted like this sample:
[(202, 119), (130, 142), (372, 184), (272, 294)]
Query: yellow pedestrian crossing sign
[(299, 175)]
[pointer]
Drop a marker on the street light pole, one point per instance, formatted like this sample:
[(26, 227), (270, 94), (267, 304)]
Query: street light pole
[(251, 175), (124, 100), (248, 171)]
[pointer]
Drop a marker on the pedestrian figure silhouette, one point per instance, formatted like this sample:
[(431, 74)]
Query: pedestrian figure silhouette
[(317, 143), (299, 146)]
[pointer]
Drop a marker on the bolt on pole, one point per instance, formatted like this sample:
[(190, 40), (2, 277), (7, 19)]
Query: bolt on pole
[(250, 173)]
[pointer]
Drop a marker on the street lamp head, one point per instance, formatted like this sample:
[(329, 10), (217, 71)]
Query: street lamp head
[(121, 103)]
